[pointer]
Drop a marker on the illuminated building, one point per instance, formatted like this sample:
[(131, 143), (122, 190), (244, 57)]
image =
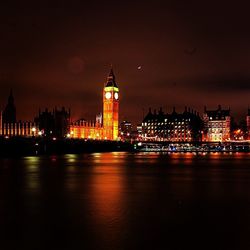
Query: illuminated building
[(125, 129), (174, 127), (9, 127), (21, 128), (248, 125), (107, 127), (217, 125), (98, 118), (110, 108), (238, 134), (139, 130)]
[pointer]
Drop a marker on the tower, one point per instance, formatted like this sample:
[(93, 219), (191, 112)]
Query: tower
[(9, 113), (110, 108)]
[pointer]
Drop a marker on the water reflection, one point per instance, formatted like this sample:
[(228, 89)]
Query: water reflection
[(126, 201), (71, 158), (107, 202), (32, 165)]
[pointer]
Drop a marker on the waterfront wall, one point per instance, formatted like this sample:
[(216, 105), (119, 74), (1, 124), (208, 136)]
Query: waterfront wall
[(20, 146)]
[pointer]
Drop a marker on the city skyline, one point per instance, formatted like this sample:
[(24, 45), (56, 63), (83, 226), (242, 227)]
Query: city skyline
[(124, 125), (58, 56), (92, 116)]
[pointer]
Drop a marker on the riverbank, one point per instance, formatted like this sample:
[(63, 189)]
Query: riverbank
[(18, 146)]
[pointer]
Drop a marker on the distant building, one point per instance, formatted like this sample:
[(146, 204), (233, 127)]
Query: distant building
[(174, 127), (55, 123), (125, 128), (139, 130), (217, 125), (105, 127), (9, 127), (9, 113), (248, 125), (98, 118)]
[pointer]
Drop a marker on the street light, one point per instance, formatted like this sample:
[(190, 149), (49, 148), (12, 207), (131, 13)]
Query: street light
[(33, 131)]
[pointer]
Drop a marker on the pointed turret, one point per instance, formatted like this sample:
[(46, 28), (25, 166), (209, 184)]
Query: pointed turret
[(111, 79), (11, 98), (9, 113), (174, 112)]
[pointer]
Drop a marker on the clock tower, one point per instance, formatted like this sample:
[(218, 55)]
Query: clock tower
[(110, 108)]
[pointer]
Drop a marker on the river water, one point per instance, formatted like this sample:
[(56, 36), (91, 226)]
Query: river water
[(126, 201)]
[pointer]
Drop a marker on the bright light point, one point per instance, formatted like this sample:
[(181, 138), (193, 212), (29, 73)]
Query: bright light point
[(108, 95), (139, 67), (54, 139), (68, 135), (33, 129), (40, 133)]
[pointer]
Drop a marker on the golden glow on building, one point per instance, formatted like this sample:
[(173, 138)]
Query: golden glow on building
[(217, 125), (108, 129), (110, 112)]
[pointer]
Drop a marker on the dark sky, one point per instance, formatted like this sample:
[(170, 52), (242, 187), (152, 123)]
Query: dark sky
[(192, 53)]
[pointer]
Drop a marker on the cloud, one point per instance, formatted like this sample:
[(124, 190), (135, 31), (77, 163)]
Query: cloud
[(203, 84), (225, 85)]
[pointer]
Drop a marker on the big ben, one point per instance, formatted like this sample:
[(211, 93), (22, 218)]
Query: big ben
[(110, 108)]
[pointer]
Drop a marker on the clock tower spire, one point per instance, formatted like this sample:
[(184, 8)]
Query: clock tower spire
[(110, 107)]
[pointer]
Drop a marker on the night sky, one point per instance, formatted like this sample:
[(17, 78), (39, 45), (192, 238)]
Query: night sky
[(164, 53)]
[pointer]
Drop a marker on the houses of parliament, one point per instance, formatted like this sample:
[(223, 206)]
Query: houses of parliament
[(58, 123), (105, 127)]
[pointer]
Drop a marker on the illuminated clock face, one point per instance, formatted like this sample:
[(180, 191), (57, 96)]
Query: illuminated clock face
[(116, 96), (108, 95)]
